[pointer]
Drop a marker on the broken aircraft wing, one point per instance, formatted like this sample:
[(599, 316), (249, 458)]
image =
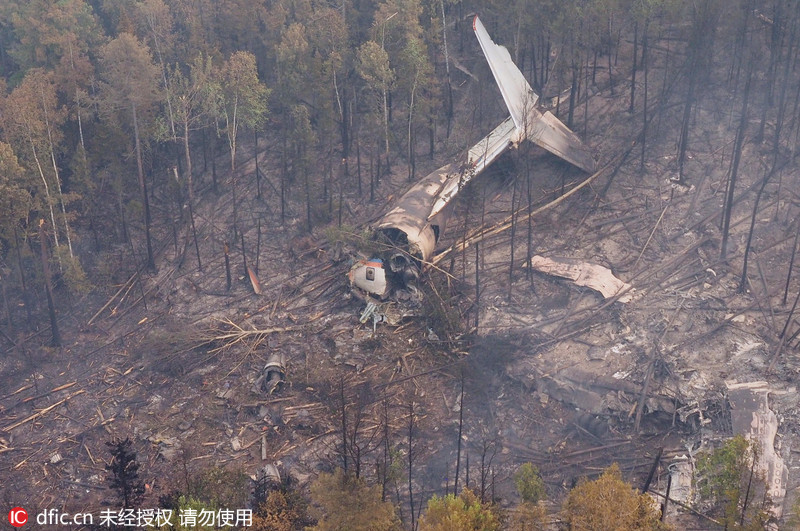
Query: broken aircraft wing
[(543, 129)]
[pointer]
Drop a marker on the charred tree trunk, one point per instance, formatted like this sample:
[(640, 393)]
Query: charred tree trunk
[(684, 138), (235, 206), (307, 184), (244, 254), (358, 165), (514, 201), (700, 50), (449, 110), (737, 155), (55, 340), (214, 166), (258, 244), (644, 103), (343, 413), (572, 94), (477, 285), (410, 440), (226, 251), (9, 320), (151, 264), (255, 159), (775, 154), (460, 431), (342, 175), (284, 177), (633, 71), (387, 446), (791, 264), (610, 72), (25, 294), (529, 254), (371, 176)]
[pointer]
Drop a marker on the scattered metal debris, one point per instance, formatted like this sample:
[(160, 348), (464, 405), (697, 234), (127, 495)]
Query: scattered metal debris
[(391, 313), (370, 276), (254, 282), (752, 417), (273, 377), (680, 480), (592, 276), (271, 472)]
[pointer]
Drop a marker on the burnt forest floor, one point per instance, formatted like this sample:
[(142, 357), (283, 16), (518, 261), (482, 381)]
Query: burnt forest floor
[(551, 375)]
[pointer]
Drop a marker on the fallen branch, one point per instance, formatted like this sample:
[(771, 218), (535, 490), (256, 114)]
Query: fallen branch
[(239, 334), (106, 305), (42, 412), (506, 224)]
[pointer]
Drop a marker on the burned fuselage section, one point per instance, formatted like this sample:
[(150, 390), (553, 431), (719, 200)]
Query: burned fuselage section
[(410, 231)]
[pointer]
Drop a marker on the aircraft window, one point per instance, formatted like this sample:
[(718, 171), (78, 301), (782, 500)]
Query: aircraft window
[(371, 273)]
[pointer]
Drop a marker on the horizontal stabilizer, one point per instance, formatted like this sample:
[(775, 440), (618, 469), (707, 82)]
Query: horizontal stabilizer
[(548, 132)]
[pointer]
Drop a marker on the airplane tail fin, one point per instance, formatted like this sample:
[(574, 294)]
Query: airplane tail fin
[(516, 91), (543, 129)]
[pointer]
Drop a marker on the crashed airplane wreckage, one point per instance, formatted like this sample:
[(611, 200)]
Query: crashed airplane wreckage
[(413, 227)]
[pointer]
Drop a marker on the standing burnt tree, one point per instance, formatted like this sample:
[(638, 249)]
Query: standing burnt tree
[(130, 89), (123, 473), (705, 15)]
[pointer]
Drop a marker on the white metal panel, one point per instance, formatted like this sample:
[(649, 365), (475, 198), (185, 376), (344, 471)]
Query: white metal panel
[(517, 93)]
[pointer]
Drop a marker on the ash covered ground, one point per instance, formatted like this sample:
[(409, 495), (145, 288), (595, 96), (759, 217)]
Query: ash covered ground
[(552, 373)]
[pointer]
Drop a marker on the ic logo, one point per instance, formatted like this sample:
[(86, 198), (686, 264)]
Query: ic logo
[(18, 516)]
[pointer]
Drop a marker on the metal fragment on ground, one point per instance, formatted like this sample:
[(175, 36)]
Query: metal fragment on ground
[(592, 276), (752, 417)]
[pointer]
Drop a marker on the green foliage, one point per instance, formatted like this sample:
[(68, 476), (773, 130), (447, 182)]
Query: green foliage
[(72, 274), (346, 502), (440, 309), (725, 477), (243, 97), (529, 483), (47, 31), (720, 471), (130, 78), (15, 200), (609, 504), (222, 487), (793, 521), (293, 57), (459, 513), (124, 473), (373, 67), (190, 514), (352, 237), (527, 517), (281, 511)]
